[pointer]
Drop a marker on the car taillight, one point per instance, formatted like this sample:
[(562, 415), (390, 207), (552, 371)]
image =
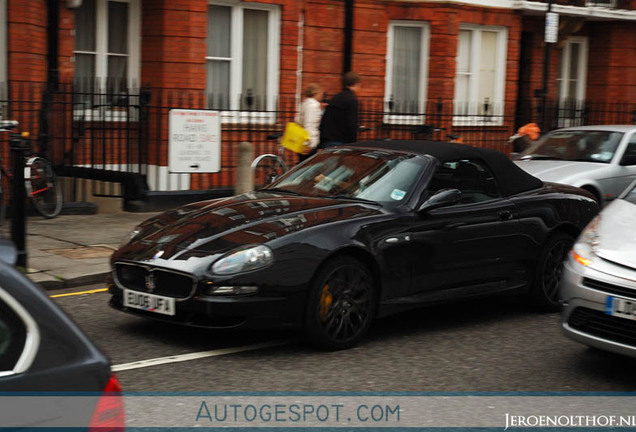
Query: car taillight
[(109, 415)]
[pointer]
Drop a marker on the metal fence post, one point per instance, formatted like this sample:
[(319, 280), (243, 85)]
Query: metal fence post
[(244, 173), (19, 146)]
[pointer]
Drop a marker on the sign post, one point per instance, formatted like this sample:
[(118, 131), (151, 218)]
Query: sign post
[(194, 142), (551, 36)]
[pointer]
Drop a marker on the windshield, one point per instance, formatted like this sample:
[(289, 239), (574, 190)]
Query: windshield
[(579, 145), (373, 175)]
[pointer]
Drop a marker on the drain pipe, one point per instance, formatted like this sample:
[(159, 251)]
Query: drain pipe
[(52, 74), (348, 36), (52, 26), (299, 50)]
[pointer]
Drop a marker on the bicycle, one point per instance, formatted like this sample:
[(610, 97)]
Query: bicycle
[(268, 167), (42, 186)]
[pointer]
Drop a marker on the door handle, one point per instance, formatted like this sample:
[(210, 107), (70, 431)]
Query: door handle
[(505, 215)]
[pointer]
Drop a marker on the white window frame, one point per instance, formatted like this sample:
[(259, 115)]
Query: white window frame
[(601, 3), (101, 56), (423, 78), (236, 62), (496, 118), (565, 59), (571, 106)]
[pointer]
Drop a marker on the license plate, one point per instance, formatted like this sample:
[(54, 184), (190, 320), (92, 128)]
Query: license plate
[(619, 307), (149, 302)]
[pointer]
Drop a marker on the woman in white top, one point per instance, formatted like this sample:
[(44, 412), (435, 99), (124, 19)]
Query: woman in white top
[(309, 117)]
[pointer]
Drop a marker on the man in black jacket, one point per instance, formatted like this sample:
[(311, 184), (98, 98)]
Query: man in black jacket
[(339, 124)]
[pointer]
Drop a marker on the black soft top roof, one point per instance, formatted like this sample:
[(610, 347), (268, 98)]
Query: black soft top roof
[(510, 177)]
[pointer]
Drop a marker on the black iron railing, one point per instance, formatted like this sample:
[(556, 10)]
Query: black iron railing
[(123, 135)]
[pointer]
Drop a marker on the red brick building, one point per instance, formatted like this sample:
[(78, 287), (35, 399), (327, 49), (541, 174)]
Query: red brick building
[(474, 67)]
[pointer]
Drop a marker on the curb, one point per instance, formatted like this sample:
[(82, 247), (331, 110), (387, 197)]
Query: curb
[(52, 283)]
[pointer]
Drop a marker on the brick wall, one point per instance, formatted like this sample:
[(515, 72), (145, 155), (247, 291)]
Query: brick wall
[(26, 40), (173, 44), (612, 62), (173, 49), (611, 68), (323, 42)]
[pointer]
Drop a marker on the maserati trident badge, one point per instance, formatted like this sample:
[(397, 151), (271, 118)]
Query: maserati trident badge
[(150, 282)]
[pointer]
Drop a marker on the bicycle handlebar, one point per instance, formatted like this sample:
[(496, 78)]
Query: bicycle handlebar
[(274, 136), (426, 129)]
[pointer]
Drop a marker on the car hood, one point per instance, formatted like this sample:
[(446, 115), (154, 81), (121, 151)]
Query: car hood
[(617, 233), (211, 227), (560, 171)]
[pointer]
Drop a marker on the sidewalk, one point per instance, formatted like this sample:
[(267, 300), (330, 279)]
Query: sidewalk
[(74, 250)]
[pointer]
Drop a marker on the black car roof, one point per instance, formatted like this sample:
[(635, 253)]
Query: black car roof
[(510, 177)]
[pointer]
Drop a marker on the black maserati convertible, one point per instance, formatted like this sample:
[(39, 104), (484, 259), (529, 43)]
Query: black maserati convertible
[(354, 233)]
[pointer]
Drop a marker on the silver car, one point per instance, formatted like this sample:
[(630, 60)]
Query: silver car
[(600, 159), (598, 287)]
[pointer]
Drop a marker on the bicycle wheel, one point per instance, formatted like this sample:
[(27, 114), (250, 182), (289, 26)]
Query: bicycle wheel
[(266, 169), (42, 187)]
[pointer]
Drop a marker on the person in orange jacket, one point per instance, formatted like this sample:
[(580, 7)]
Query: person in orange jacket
[(524, 137)]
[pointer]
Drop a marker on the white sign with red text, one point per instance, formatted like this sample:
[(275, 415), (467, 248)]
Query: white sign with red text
[(194, 145)]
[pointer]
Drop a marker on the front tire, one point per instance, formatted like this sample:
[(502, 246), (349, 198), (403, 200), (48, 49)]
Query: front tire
[(549, 271), (341, 304)]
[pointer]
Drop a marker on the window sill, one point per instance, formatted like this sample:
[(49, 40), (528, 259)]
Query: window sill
[(106, 115), (404, 119), (477, 120), (248, 117)]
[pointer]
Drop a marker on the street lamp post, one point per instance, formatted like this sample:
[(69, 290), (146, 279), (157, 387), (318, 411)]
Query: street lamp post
[(550, 37)]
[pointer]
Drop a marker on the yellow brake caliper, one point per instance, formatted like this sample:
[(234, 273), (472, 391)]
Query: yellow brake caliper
[(325, 302)]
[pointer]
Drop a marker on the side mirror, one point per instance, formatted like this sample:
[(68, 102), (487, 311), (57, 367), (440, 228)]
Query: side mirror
[(442, 198)]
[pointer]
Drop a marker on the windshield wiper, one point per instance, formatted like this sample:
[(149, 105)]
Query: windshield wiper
[(540, 157), (348, 197), (279, 190)]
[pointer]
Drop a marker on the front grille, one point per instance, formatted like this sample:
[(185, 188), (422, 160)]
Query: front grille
[(605, 326), (154, 280), (610, 288)]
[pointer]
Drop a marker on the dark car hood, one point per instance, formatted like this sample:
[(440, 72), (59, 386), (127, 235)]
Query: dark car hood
[(211, 227)]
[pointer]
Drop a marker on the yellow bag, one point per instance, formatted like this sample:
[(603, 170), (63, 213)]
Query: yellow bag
[(295, 137)]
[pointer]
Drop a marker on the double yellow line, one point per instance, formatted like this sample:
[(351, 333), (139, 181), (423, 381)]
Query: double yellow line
[(80, 293)]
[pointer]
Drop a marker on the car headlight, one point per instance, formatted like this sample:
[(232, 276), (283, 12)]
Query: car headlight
[(584, 250), (244, 260)]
